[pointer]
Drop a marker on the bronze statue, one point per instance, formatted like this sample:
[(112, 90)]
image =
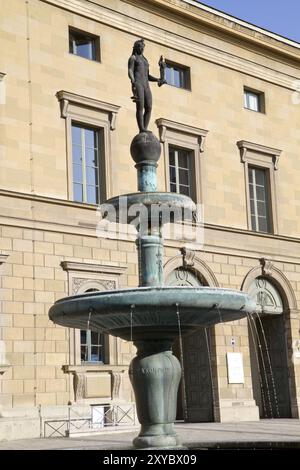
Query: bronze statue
[(138, 72)]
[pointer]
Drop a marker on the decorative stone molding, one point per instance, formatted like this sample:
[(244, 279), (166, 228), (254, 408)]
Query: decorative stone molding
[(267, 267), (198, 49), (92, 268), (278, 278), (187, 257), (116, 384), (66, 98), (165, 124), (82, 373), (91, 284), (199, 267), (79, 385), (268, 152)]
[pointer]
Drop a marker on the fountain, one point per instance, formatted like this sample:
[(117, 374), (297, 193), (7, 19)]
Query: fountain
[(152, 315)]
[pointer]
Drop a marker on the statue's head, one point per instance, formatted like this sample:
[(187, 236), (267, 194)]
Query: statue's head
[(138, 47)]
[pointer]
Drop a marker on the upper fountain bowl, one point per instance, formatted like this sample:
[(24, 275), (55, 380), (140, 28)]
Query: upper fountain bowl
[(151, 312)]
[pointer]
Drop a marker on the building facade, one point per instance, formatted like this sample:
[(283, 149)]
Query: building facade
[(228, 122)]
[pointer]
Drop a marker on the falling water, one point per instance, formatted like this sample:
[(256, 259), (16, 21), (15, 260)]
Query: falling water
[(264, 366), (86, 352), (210, 367), (258, 365), (270, 365), (131, 321), (219, 312), (89, 319), (182, 365)]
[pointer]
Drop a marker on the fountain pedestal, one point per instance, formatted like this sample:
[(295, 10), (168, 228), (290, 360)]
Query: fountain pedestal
[(155, 375)]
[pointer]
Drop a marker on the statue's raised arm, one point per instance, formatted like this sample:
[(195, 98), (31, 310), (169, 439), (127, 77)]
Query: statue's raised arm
[(138, 72)]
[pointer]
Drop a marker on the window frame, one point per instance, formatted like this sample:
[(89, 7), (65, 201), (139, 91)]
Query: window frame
[(261, 100), (190, 169), (266, 158), (93, 37), (101, 150), (91, 113), (268, 201), (174, 134), (186, 71), (89, 345), (81, 278)]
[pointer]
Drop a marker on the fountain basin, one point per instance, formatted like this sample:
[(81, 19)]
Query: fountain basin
[(171, 206), (151, 312)]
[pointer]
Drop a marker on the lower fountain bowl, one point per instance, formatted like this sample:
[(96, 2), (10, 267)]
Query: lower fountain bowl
[(151, 312)]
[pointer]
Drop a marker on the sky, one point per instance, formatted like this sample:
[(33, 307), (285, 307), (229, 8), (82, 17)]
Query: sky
[(279, 16)]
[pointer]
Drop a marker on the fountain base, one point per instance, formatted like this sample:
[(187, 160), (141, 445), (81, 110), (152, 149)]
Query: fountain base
[(155, 375)]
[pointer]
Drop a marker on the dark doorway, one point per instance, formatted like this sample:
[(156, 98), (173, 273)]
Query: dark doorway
[(268, 351), (196, 361), (270, 368), (198, 385)]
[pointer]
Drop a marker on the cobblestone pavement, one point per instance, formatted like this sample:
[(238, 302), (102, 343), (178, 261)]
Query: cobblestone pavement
[(193, 435)]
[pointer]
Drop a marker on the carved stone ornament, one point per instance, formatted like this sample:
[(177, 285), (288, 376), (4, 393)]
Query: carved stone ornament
[(78, 282), (116, 384), (187, 257), (266, 267), (79, 385)]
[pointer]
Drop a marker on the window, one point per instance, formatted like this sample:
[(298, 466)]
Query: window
[(259, 199), (89, 124), (92, 345), (86, 164), (84, 44), (254, 100), (260, 165), (180, 170), (87, 346), (178, 75), (183, 146)]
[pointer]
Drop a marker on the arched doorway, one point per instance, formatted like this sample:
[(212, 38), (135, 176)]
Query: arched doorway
[(268, 351), (196, 361)]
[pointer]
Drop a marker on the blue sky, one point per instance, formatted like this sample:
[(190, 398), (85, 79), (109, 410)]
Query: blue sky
[(280, 16)]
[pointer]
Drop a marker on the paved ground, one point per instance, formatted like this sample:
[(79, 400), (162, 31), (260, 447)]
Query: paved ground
[(200, 435)]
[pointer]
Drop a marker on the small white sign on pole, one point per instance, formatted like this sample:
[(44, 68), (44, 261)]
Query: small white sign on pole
[(235, 368)]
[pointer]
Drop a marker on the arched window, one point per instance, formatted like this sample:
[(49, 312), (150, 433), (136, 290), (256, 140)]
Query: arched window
[(183, 277), (93, 345), (266, 296)]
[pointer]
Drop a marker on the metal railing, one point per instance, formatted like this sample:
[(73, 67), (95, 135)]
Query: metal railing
[(101, 417)]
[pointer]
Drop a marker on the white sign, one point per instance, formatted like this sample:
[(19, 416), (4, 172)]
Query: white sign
[(235, 368)]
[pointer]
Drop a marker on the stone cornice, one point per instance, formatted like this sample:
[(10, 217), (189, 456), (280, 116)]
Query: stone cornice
[(138, 28), (224, 22), (65, 98), (28, 223), (92, 267), (93, 368), (245, 146), (164, 124), (2, 75)]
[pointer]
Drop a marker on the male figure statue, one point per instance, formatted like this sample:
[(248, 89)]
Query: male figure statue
[(138, 72)]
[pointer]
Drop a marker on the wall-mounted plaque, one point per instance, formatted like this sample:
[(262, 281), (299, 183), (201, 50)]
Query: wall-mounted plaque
[(235, 368)]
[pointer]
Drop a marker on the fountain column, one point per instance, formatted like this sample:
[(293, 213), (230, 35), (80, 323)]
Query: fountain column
[(154, 373)]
